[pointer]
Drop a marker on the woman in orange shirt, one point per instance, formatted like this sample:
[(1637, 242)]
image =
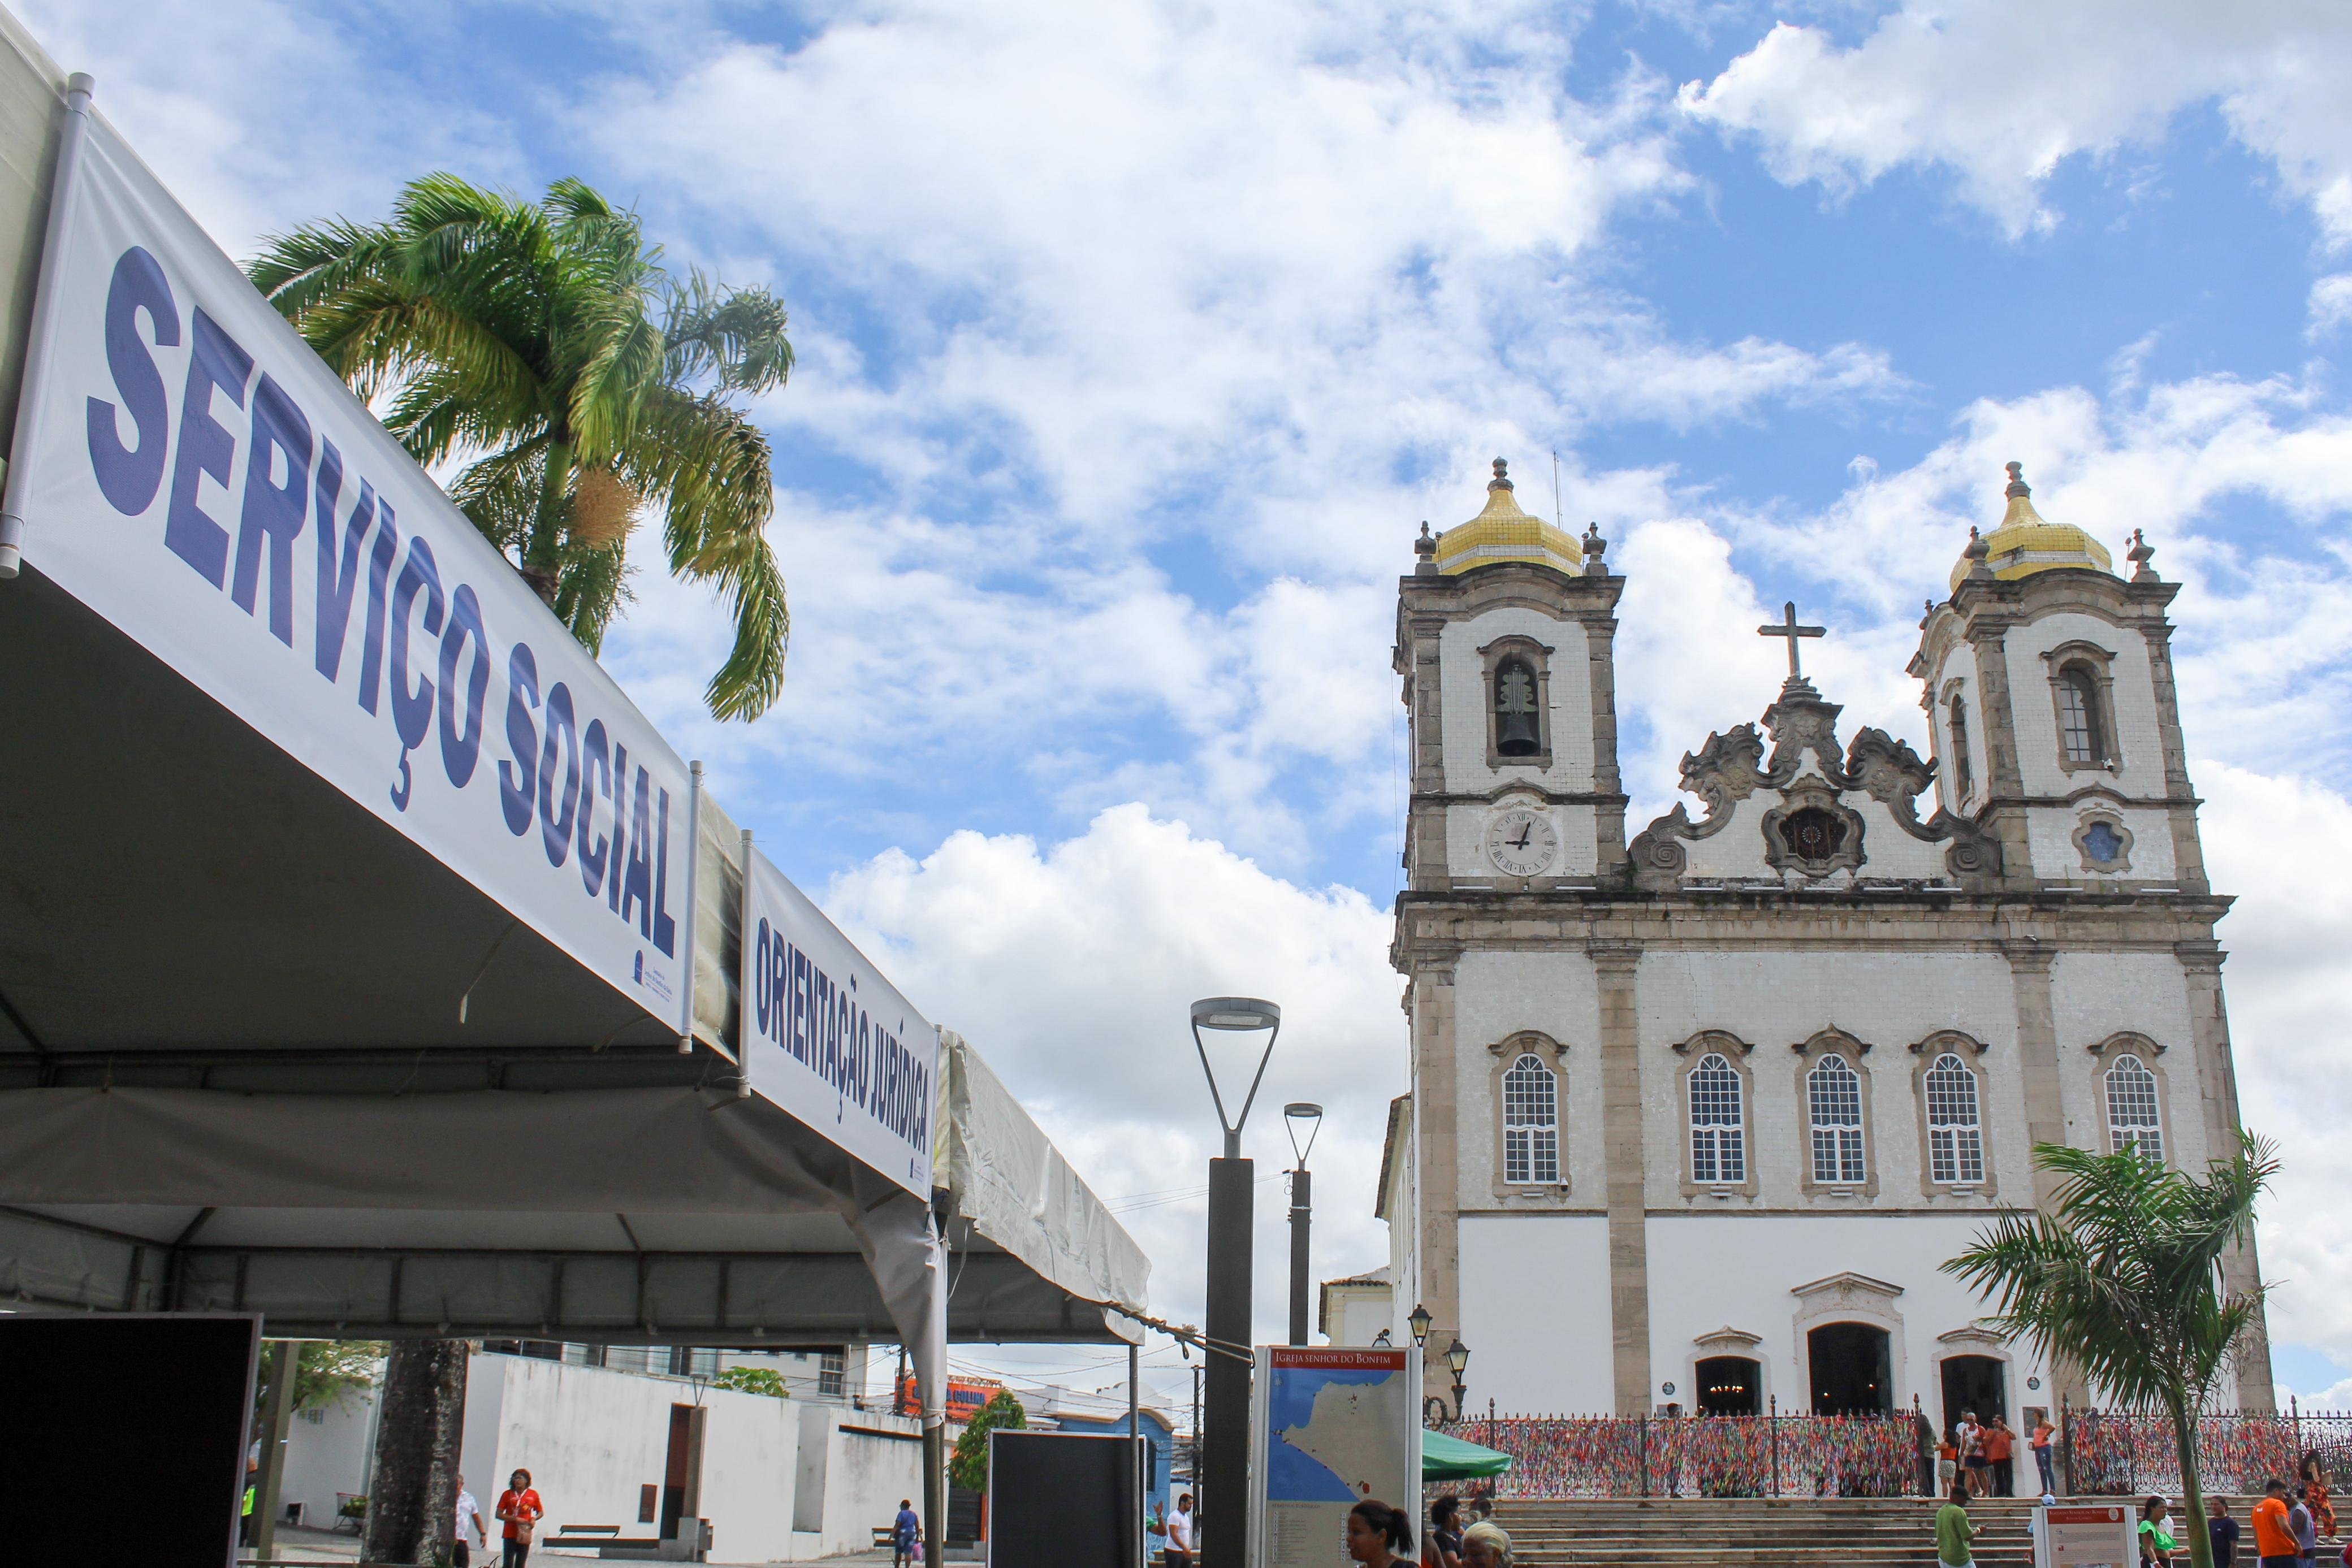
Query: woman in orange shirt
[(518, 1506)]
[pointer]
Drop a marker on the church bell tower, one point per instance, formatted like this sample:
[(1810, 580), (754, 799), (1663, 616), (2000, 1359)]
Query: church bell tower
[(1506, 642)]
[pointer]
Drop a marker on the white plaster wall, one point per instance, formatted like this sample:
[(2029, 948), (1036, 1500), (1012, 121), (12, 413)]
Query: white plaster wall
[(1709, 1271), (1737, 851), (1960, 665), (864, 1478), (2050, 833), (1466, 839), (1774, 998), (1362, 1314), (1535, 1312), (750, 1446), (2094, 994), (2036, 709), (1403, 1208), (1463, 677), (326, 1452), (589, 1436), (1888, 850), (1495, 995)]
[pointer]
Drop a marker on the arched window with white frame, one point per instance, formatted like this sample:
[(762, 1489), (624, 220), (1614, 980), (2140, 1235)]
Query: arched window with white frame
[(2081, 733), (1833, 1102), (1719, 1124), (1531, 1123), (2134, 1118), (1955, 1131)]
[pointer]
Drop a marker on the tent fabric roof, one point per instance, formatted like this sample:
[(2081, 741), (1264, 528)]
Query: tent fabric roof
[(235, 1072), (1444, 1458)]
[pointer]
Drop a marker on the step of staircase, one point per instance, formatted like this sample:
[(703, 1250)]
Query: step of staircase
[(1707, 1532)]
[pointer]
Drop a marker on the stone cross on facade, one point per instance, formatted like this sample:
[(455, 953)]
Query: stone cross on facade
[(1788, 627)]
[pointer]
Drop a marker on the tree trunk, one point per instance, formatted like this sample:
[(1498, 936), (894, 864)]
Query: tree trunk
[(2192, 1490), (414, 1497), (542, 556)]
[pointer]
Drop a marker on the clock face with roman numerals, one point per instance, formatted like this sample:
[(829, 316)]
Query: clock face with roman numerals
[(1521, 842)]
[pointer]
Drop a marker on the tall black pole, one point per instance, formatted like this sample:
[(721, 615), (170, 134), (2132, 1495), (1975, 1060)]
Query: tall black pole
[(1225, 1436), (1302, 1194)]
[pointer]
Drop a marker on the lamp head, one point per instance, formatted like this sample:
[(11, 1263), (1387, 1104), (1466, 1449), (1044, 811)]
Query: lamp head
[(1238, 1015), (1234, 1012), (1419, 1322), (1303, 1113), (1457, 1356)]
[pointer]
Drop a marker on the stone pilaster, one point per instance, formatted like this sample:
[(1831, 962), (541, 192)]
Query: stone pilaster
[(1609, 816), (1615, 965), (1989, 635), (1437, 1155), (2188, 850), (2217, 1079), (2030, 958)]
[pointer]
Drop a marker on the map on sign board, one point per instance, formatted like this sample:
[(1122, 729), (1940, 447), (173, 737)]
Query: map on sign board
[(1335, 1426)]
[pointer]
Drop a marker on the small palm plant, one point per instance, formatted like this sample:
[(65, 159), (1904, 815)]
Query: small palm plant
[(2121, 1277), (543, 348)]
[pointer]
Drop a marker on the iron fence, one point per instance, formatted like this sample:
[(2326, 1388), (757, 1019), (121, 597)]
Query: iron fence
[(1703, 1456), (2118, 1453), (2100, 1453)]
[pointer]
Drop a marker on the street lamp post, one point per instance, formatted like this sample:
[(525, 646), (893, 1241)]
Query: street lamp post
[(1224, 1473), (1298, 1114), (1457, 1358)]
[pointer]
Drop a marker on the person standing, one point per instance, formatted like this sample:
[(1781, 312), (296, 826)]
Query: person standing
[(1377, 1533), (2156, 1543), (469, 1514), (1180, 1532), (2222, 1532), (2275, 1544), (1974, 1464), (2000, 1443), (1444, 1534), (2314, 1476), (1923, 1433), (2044, 1436), (519, 1505), (2305, 1528), (1955, 1535), (904, 1530), (1486, 1545)]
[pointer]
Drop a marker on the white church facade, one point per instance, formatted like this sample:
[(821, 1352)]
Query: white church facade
[(1696, 1115)]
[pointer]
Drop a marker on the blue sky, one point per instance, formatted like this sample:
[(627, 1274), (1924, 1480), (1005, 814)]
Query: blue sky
[(1137, 340)]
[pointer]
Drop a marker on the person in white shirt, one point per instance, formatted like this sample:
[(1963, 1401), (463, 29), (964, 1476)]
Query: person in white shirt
[(470, 1513), (1180, 1532)]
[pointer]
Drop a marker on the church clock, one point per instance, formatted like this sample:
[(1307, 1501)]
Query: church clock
[(1521, 842)]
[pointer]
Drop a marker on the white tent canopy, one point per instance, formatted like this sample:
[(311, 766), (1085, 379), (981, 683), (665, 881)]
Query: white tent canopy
[(273, 1038)]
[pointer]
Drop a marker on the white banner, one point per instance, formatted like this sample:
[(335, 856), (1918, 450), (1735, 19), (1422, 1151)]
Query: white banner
[(189, 469), (826, 1037)]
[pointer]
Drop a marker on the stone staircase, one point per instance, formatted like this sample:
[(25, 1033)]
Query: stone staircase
[(1737, 1532)]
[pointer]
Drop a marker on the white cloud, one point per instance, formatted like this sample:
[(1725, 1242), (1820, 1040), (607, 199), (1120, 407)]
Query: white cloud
[(2331, 304), (2001, 92), (1071, 969)]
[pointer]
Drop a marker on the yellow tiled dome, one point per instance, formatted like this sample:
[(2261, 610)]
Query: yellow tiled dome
[(1503, 532), (2027, 542)]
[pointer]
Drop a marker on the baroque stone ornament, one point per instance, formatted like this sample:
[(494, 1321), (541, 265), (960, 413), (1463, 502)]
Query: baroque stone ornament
[(1731, 767)]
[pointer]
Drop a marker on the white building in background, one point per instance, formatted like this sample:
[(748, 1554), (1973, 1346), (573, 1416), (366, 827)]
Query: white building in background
[(779, 1480), (1695, 1119)]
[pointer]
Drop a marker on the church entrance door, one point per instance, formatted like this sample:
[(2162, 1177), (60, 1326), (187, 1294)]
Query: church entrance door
[(1726, 1386), (1851, 1369), (1978, 1383)]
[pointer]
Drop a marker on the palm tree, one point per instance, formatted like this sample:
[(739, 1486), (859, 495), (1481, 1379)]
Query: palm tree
[(2121, 1277), (541, 346)]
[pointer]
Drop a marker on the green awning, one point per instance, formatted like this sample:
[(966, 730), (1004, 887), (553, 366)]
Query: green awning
[(1444, 1458)]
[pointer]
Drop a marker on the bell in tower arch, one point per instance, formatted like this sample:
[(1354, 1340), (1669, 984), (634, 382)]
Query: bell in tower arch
[(1518, 730)]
